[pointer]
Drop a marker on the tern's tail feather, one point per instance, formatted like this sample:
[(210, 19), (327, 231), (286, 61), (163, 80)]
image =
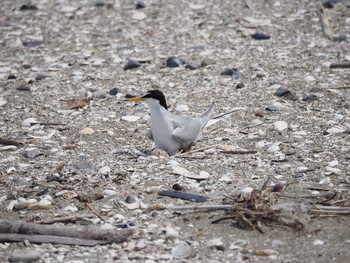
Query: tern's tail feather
[(207, 115)]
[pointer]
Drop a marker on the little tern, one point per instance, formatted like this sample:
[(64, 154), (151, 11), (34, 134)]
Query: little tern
[(172, 133)]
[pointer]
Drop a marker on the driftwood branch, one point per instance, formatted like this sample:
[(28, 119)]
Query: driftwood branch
[(84, 232), (50, 239)]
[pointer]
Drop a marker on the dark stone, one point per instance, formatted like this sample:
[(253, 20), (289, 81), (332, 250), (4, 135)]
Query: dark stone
[(127, 224), (272, 108), (315, 89), (28, 8), (140, 5), (173, 62), (114, 91), (231, 72), (33, 43), (298, 175), (11, 76), (240, 85), (207, 61), (281, 91), (191, 66), (330, 3), (100, 3), (40, 77), (261, 36), (311, 97), (131, 64), (340, 38), (84, 165), (23, 88)]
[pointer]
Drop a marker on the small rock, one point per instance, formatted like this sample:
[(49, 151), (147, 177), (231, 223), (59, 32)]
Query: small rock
[(309, 78), (100, 3), (173, 62), (276, 243), (171, 232), (130, 118), (105, 170), (140, 245), (260, 36), (240, 85), (181, 251), (273, 148), (260, 145), (130, 64), (114, 91), (231, 72), (108, 192), (278, 187), (318, 242), (207, 61), (40, 77), (181, 107), (140, 5), (28, 8), (281, 91), (338, 117), (325, 181), (32, 154), (24, 255), (28, 122), (311, 97), (139, 15), (33, 43), (216, 243), (83, 165), (333, 163), (335, 129), (8, 148), (87, 131), (130, 199), (276, 106), (247, 190), (280, 126), (333, 170)]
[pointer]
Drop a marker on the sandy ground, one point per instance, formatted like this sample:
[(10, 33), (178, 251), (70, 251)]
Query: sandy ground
[(53, 52)]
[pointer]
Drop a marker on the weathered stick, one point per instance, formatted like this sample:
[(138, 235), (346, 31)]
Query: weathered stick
[(50, 239), (326, 26), (197, 150), (202, 207), (64, 219), (84, 232), (9, 142), (240, 151), (340, 65)]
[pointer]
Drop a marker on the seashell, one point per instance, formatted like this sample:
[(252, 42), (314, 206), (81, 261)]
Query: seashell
[(181, 251)]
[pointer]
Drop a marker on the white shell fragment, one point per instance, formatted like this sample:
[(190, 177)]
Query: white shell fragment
[(280, 126), (29, 122), (104, 170), (181, 108), (130, 118), (181, 251)]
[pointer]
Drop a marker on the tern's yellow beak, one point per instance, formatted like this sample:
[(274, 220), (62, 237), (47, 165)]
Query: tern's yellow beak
[(136, 99)]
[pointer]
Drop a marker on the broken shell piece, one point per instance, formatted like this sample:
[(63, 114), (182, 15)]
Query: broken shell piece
[(130, 118), (171, 232), (181, 250), (216, 243), (66, 194), (28, 122), (280, 126), (86, 131)]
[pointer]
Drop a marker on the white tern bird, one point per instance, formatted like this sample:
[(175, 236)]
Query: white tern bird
[(172, 133)]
